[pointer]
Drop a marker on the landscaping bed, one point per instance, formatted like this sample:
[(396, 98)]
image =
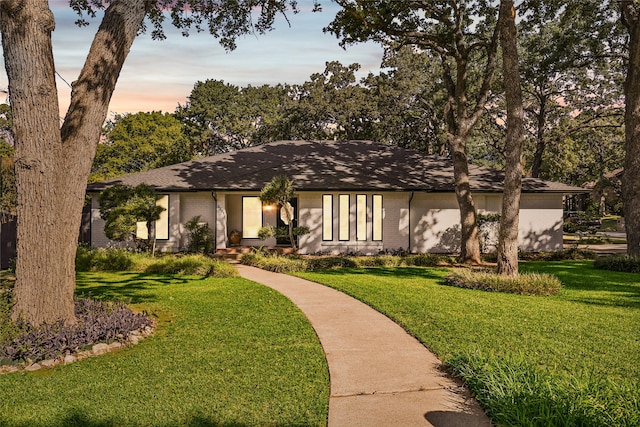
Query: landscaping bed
[(568, 359)]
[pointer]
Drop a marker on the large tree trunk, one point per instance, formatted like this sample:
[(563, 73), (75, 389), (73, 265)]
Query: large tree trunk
[(53, 164), (509, 221), (470, 243), (631, 177)]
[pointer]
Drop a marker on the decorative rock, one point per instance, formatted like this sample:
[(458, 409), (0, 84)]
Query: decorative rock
[(33, 367), (48, 363), (74, 356), (100, 348)]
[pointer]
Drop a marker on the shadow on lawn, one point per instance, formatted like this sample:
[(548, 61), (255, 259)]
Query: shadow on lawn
[(78, 418), (131, 288), (398, 272), (589, 285)]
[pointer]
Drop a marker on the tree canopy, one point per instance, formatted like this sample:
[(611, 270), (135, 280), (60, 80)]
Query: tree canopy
[(53, 160), (139, 142)]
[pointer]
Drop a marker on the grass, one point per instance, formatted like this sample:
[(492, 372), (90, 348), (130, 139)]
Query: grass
[(227, 352), (524, 283), (113, 259), (576, 352)]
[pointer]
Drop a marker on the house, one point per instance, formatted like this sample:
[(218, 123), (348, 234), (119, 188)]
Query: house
[(355, 196)]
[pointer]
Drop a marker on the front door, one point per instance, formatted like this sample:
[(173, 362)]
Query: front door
[(284, 240)]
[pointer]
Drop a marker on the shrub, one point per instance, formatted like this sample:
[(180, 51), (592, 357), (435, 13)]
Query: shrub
[(573, 253), (622, 263), (581, 222), (97, 322), (8, 328), (429, 260), (275, 263), (378, 261), (514, 391), (326, 263), (111, 259), (126, 260), (193, 265), (290, 264), (525, 284), (200, 236)]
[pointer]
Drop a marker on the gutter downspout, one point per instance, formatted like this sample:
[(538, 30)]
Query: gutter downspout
[(215, 221), (410, 200)]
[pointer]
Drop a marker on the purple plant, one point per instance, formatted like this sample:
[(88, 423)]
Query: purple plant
[(97, 322)]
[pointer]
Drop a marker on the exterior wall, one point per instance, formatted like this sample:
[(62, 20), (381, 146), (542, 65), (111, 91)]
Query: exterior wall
[(435, 223), (182, 207), (541, 222), (191, 205), (395, 223), (435, 220), (420, 222)]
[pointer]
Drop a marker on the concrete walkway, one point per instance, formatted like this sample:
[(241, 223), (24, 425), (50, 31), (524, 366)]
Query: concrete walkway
[(380, 376)]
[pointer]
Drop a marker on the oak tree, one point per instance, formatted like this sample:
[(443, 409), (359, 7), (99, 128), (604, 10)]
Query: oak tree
[(139, 142), (630, 13), (53, 161), (509, 220), (464, 36)]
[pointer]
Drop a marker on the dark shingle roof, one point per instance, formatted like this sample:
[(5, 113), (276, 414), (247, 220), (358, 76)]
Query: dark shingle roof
[(325, 166)]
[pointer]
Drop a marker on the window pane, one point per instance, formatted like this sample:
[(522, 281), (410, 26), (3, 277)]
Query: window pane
[(361, 213), (162, 224), (327, 217), (377, 217), (344, 217), (251, 217), (141, 230)]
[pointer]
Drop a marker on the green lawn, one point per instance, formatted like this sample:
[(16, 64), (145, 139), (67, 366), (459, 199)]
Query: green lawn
[(227, 352), (577, 351)]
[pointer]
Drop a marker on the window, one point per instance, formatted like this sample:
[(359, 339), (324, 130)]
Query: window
[(361, 217), (377, 213), (327, 217), (162, 224), (343, 219), (251, 217)]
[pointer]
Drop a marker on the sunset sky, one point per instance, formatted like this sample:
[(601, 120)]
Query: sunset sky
[(159, 75)]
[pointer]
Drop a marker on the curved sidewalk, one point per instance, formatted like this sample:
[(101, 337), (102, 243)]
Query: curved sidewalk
[(380, 376)]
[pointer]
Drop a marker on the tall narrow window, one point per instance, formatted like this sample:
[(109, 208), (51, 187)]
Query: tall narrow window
[(361, 217), (377, 213), (162, 224), (327, 217), (251, 217), (343, 219)]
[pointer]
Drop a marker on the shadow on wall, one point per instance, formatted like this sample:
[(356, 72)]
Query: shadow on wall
[(311, 242), (448, 240), (429, 235), (549, 239)]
